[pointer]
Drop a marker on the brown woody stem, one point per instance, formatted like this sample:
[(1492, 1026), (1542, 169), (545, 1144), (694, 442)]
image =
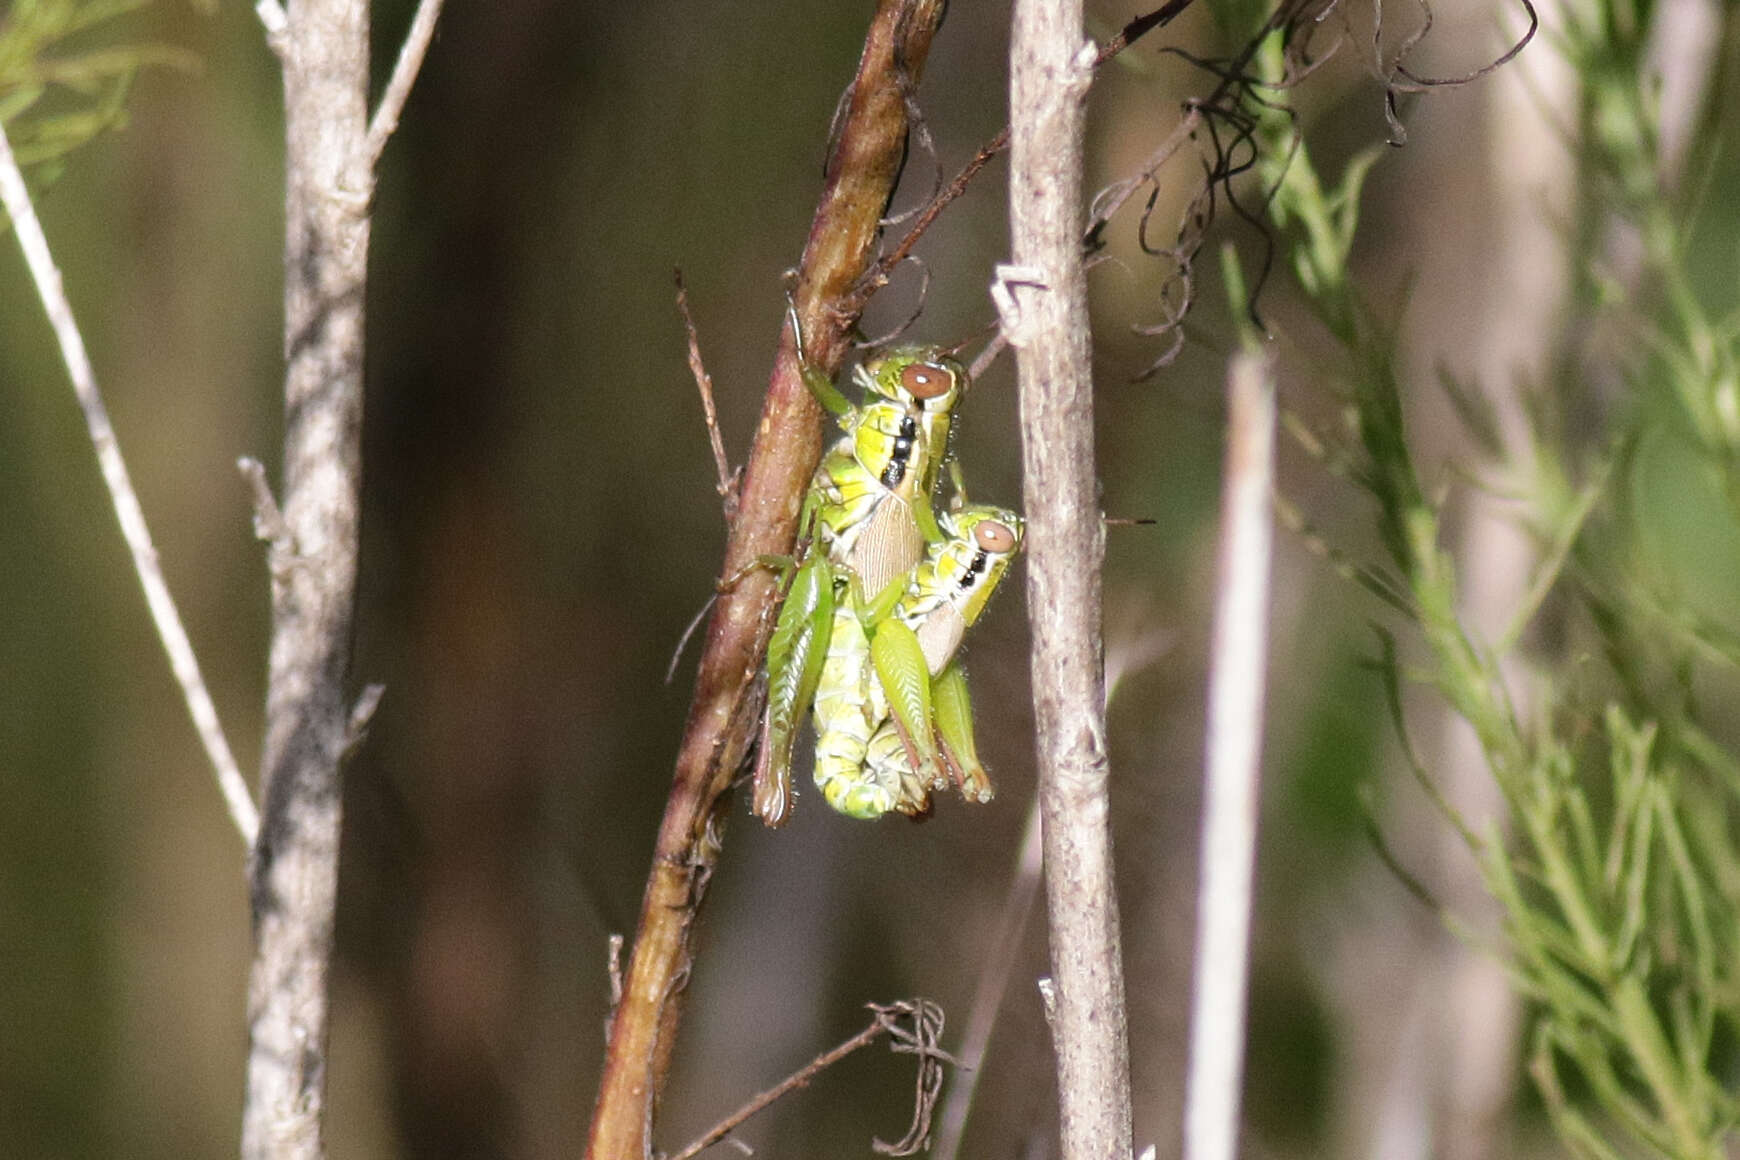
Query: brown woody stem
[(861, 174)]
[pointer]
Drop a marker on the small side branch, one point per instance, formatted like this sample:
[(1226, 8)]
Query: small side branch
[(727, 485), (269, 525), (405, 70), (1235, 730), (921, 1040), (16, 198), (275, 23)]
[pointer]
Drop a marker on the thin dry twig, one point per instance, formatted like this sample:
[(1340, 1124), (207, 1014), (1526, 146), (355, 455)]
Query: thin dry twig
[(885, 266), (1051, 66), (862, 168), (405, 70), (921, 1040), (689, 631), (798, 1079), (164, 616), (727, 481), (1112, 198), (1139, 27), (1234, 750), (983, 360)]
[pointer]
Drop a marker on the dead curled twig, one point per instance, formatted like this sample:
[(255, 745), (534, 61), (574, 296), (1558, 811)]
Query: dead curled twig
[(880, 273), (1230, 115), (921, 1041), (912, 1027), (1226, 108)]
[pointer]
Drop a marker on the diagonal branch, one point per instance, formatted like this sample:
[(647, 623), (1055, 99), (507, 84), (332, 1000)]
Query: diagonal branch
[(405, 69), (927, 1022), (16, 198), (860, 176)]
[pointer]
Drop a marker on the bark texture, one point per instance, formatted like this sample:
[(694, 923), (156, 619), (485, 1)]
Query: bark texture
[(1050, 68), (313, 554)]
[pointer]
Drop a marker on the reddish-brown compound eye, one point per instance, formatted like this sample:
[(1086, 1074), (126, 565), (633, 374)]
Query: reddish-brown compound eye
[(993, 536), (926, 380)]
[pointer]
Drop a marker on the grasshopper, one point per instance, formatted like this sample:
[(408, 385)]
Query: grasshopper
[(868, 515), (891, 706)]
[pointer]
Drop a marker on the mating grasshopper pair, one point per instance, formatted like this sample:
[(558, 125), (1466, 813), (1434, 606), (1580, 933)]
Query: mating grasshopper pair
[(876, 606)]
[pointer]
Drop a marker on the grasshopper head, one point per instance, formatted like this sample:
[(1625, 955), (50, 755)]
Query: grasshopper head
[(992, 537), (902, 428), (921, 377)]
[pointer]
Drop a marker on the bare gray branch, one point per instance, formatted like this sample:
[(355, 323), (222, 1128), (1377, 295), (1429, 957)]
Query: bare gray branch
[(1051, 64), (309, 724)]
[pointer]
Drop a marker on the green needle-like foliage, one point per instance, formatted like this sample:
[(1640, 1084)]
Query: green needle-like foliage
[(1618, 872)]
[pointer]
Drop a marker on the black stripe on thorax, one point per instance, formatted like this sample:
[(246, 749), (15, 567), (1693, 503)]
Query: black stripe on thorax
[(902, 455), (973, 569)]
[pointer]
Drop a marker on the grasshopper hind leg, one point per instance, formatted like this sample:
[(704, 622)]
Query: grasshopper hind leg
[(954, 727)]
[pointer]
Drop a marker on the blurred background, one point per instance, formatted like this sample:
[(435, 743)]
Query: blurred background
[(541, 524)]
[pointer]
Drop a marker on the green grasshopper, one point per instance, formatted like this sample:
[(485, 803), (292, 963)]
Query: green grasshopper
[(891, 706), (868, 515)]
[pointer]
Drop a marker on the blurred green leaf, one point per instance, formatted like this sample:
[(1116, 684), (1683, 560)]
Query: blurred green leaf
[(66, 67)]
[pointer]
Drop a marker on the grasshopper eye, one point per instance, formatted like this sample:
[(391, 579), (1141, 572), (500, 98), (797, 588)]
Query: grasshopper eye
[(993, 536), (926, 380)]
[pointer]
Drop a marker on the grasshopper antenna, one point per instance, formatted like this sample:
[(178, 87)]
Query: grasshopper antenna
[(820, 385), (683, 641)]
